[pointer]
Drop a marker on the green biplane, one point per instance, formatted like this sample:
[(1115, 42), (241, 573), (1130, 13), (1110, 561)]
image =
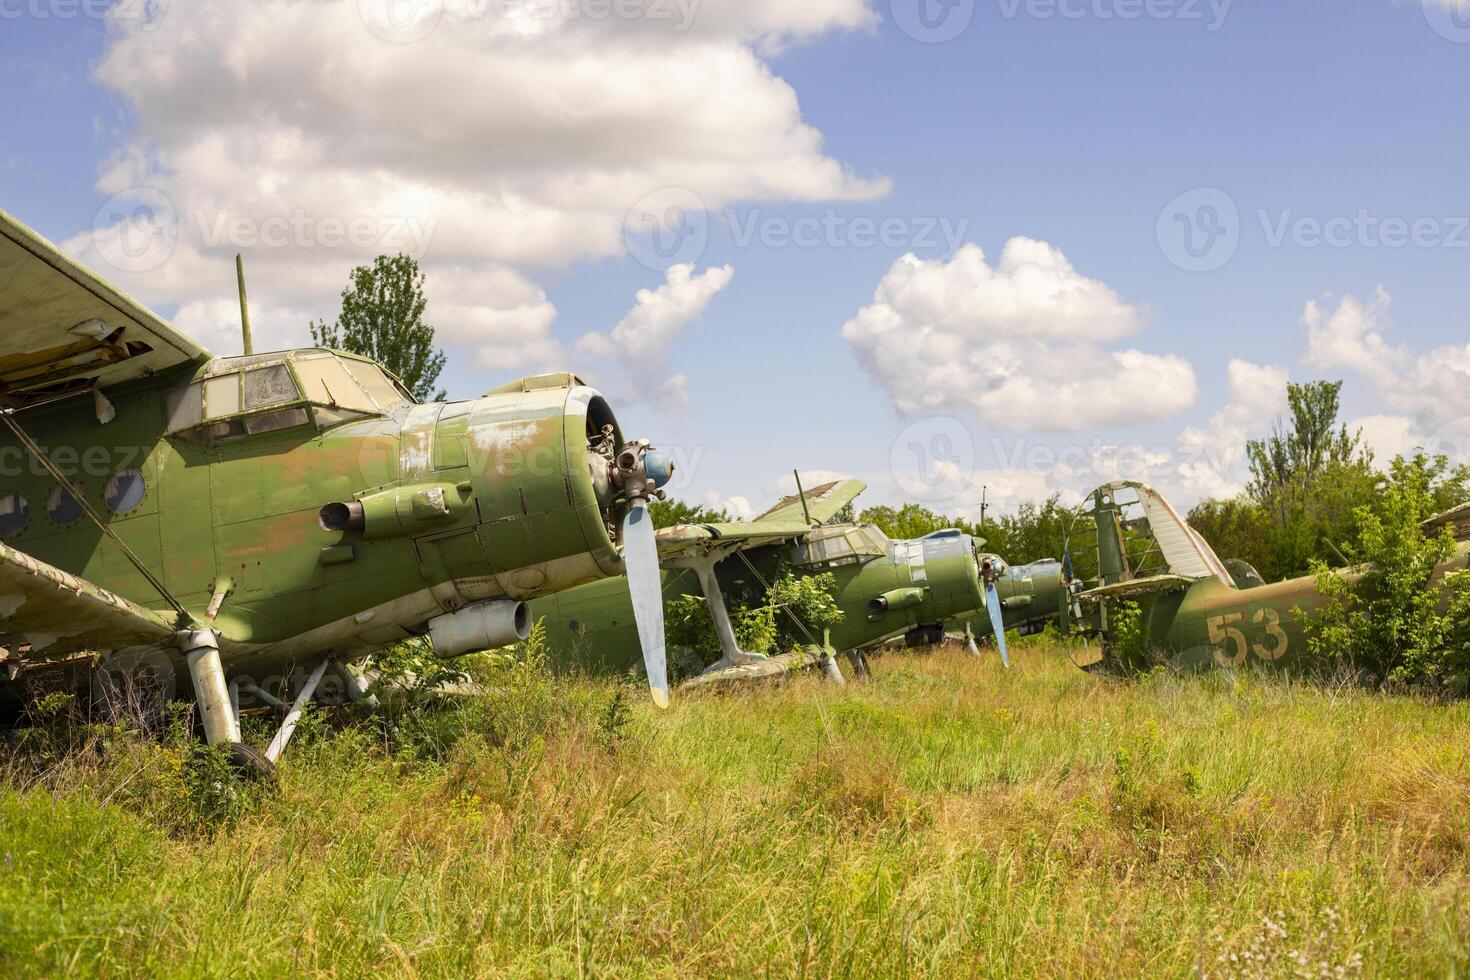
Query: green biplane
[(218, 520), (886, 589), (1195, 610)]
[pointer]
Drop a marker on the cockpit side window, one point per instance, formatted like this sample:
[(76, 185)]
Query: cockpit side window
[(269, 386)]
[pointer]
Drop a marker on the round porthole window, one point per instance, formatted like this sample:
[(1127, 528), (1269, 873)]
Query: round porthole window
[(125, 491), (62, 507), (15, 514)]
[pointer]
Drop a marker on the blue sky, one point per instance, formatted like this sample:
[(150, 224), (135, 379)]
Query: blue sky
[(1074, 131)]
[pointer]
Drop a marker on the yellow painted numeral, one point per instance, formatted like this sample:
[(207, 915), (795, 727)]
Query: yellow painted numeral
[(1224, 629), (1274, 632), (1220, 630)]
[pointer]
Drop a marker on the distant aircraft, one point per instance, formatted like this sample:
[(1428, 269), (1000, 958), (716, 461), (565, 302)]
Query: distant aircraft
[(914, 589), (1198, 611)]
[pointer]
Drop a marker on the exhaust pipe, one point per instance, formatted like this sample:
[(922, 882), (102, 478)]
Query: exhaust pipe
[(482, 626)]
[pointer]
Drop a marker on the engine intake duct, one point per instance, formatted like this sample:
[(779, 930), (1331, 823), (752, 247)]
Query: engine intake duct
[(399, 512), (482, 626), (896, 599)]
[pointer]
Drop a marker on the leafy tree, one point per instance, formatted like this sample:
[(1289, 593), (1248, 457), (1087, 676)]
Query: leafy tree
[(1033, 532), (911, 521), (672, 513), (1383, 617), (1238, 528), (382, 317), (1292, 458), (1307, 480)]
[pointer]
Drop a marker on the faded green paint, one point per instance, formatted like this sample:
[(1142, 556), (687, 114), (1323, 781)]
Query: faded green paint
[(1195, 612), (592, 627), (526, 518)]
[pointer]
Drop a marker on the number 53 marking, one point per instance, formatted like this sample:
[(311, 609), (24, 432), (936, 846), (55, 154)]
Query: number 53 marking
[(1223, 631)]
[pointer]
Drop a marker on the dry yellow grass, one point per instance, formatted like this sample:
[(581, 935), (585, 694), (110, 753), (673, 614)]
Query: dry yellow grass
[(950, 818)]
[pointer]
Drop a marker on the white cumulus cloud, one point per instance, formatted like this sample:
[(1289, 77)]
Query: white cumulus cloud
[(640, 340), (1026, 342), (1431, 388), (489, 140)]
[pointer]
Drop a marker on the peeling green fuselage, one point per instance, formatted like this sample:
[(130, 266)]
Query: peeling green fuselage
[(591, 627), (487, 498)]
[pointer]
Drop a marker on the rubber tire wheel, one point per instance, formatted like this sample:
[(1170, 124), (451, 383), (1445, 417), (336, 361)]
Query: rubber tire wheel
[(251, 763)]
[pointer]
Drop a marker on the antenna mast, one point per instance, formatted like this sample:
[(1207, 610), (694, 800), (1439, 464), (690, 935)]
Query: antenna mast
[(244, 305), (802, 494)]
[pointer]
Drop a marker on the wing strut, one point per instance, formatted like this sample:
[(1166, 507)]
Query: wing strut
[(8, 415)]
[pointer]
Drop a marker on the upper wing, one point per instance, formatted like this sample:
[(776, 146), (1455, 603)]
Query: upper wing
[(64, 330), (1457, 519), (46, 613), (823, 502), (698, 541)]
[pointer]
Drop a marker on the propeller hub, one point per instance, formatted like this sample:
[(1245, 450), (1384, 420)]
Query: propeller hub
[(639, 471)]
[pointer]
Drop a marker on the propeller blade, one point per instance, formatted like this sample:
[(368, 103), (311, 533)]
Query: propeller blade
[(640, 555), (997, 621)]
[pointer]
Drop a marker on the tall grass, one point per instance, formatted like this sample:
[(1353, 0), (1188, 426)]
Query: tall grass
[(948, 818)]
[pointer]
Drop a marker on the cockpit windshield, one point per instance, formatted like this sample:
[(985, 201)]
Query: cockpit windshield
[(841, 544), (260, 393)]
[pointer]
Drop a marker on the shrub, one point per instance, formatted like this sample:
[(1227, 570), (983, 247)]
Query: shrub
[(807, 607), (689, 627), (1383, 617)]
